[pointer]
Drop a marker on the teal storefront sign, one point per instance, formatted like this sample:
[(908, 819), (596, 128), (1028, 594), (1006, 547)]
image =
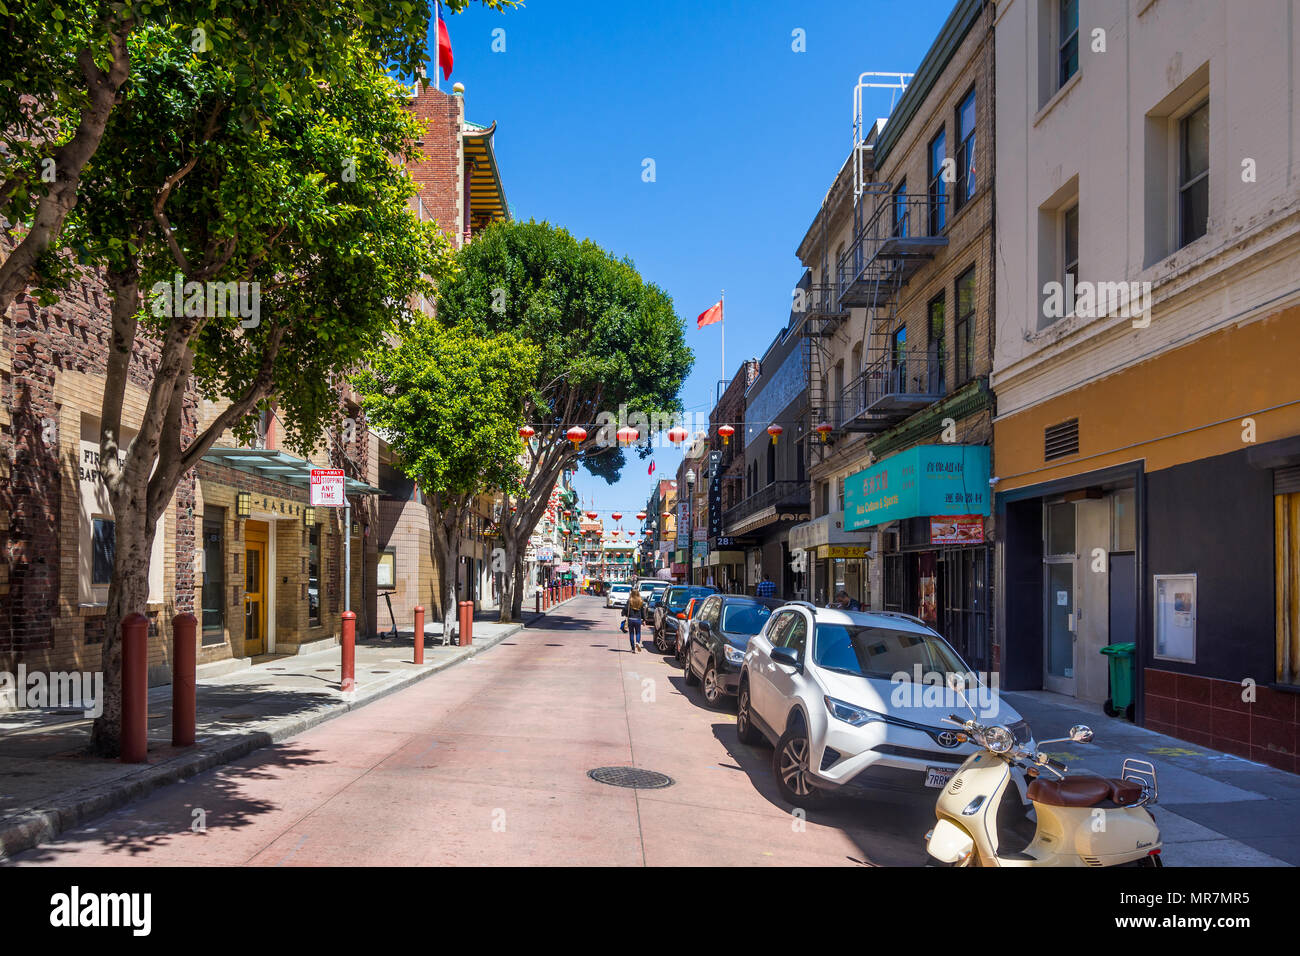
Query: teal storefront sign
[(919, 482)]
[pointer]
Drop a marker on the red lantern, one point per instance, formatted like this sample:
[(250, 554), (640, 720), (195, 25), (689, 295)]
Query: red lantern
[(617, 516), (627, 434), (825, 429), (726, 431), (527, 432), (678, 435), (667, 515), (640, 516), (775, 431), (577, 434), (591, 516)]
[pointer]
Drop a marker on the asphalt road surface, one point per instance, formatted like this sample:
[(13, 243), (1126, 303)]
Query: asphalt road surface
[(486, 764)]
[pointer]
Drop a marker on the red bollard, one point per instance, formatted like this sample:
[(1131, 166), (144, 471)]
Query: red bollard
[(419, 634), (466, 623), (185, 679), (348, 681), (135, 688)]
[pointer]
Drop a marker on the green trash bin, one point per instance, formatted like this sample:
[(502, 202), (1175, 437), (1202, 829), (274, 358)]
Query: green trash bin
[(1121, 679)]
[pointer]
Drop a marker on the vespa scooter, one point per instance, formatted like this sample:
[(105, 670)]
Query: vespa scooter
[(1076, 821)]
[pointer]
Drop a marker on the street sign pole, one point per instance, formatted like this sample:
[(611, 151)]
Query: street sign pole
[(347, 554)]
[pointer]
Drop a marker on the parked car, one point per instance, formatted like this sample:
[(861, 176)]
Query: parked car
[(672, 611), (820, 685), (650, 588), (719, 635), (617, 595)]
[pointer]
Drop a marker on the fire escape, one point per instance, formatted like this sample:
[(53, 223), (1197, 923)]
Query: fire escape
[(895, 233)]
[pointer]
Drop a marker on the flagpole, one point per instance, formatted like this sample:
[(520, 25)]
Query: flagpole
[(437, 53), (722, 299)]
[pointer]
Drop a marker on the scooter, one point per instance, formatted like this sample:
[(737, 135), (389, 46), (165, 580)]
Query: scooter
[(1075, 821)]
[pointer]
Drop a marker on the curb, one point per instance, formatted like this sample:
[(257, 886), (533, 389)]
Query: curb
[(39, 826)]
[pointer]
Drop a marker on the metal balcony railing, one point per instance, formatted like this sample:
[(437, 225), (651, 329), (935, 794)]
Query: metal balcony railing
[(793, 494), (892, 244), (891, 387)]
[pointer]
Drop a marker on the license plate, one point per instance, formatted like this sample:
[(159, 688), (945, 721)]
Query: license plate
[(938, 776)]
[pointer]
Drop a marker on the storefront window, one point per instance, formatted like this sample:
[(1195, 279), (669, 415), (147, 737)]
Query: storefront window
[(1060, 528), (313, 576), (103, 549), (214, 577)]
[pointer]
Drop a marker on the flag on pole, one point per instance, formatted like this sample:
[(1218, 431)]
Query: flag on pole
[(444, 44), (652, 467), (710, 315)]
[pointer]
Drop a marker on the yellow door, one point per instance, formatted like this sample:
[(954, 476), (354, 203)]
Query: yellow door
[(255, 541)]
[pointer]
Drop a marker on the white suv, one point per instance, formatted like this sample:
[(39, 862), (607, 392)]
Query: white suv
[(858, 697), (618, 595)]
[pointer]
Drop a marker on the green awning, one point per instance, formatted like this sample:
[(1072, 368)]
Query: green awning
[(278, 466)]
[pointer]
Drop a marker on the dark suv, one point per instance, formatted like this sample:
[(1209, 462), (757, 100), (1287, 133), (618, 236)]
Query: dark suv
[(671, 612), (720, 633)]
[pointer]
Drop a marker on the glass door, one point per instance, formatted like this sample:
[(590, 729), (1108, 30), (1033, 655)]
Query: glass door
[(1059, 616)]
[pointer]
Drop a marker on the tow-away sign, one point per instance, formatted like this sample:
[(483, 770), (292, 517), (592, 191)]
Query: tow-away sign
[(327, 487)]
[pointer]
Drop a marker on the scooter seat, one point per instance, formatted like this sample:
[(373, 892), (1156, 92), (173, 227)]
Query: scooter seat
[(1084, 791)]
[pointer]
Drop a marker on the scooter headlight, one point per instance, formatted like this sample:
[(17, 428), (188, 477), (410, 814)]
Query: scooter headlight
[(999, 740)]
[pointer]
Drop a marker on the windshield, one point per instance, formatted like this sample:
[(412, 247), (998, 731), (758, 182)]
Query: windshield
[(744, 618), (882, 652), (680, 597), (620, 589)]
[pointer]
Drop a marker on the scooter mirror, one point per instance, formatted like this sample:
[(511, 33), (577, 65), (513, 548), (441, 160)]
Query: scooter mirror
[(1081, 733)]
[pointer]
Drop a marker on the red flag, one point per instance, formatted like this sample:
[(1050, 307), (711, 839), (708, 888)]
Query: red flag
[(710, 315), (652, 467), (444, 44)]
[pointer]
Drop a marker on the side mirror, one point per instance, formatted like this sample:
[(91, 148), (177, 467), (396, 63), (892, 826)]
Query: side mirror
[(681, 615), (1081, 734), (785, 655)]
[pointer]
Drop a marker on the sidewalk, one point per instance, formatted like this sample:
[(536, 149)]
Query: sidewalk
[(48, 783), (1214, 809)]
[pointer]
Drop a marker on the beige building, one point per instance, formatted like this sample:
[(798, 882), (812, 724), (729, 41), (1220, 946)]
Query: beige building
[(898, 337), (1147, 444)]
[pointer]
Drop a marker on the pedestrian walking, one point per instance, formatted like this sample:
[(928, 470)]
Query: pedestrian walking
[(632, 613), (765, 587)]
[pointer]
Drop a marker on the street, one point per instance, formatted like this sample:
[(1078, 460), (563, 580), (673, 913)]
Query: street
[(486, 764)]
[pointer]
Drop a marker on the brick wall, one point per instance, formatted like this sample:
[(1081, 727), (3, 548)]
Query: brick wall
[(440, 176)]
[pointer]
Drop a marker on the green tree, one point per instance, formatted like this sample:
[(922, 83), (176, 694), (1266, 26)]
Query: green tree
[(311, 209), (611, 345), (451, 402), (63, 64)]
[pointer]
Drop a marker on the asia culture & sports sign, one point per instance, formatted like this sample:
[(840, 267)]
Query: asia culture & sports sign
[(922, 481)]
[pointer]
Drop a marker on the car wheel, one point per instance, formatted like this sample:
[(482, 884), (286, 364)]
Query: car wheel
[(691, 679), (660, 644), (745, 729), (790, 765), (712, 689)]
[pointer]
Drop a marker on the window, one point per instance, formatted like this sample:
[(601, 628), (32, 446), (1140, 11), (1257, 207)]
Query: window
[(938, 198), (214, 578), (824, 496), (882, 652), (1193, 174), (799, 456), (900, 210), (1060, 528), (795, 636), (1067, 47), (1070, 248), (936, 350), (771, 463), (964, 328), (1286, 517), (313, 576), (966, 181), (898, 361), (103, 550)]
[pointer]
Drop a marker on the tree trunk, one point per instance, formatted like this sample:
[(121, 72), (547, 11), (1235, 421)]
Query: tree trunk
[(510, 596), (450, 579), (69, 161), (518, 573), (128, 593)]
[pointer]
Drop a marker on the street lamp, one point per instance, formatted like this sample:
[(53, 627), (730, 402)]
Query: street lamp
[(690, 525)]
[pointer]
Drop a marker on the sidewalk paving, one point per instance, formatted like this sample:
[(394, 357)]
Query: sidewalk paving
[(1214, 809), (48, 782)]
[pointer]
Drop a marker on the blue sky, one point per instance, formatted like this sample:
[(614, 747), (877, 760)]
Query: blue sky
[(745, 134)]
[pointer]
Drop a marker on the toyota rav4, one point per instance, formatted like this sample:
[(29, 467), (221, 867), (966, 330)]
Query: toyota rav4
[(854, 697)]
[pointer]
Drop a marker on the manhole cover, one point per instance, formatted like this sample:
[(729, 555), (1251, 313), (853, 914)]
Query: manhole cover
[(632, 777)]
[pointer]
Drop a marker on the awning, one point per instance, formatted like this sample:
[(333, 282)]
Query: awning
[(828, 529), (278, 466)]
